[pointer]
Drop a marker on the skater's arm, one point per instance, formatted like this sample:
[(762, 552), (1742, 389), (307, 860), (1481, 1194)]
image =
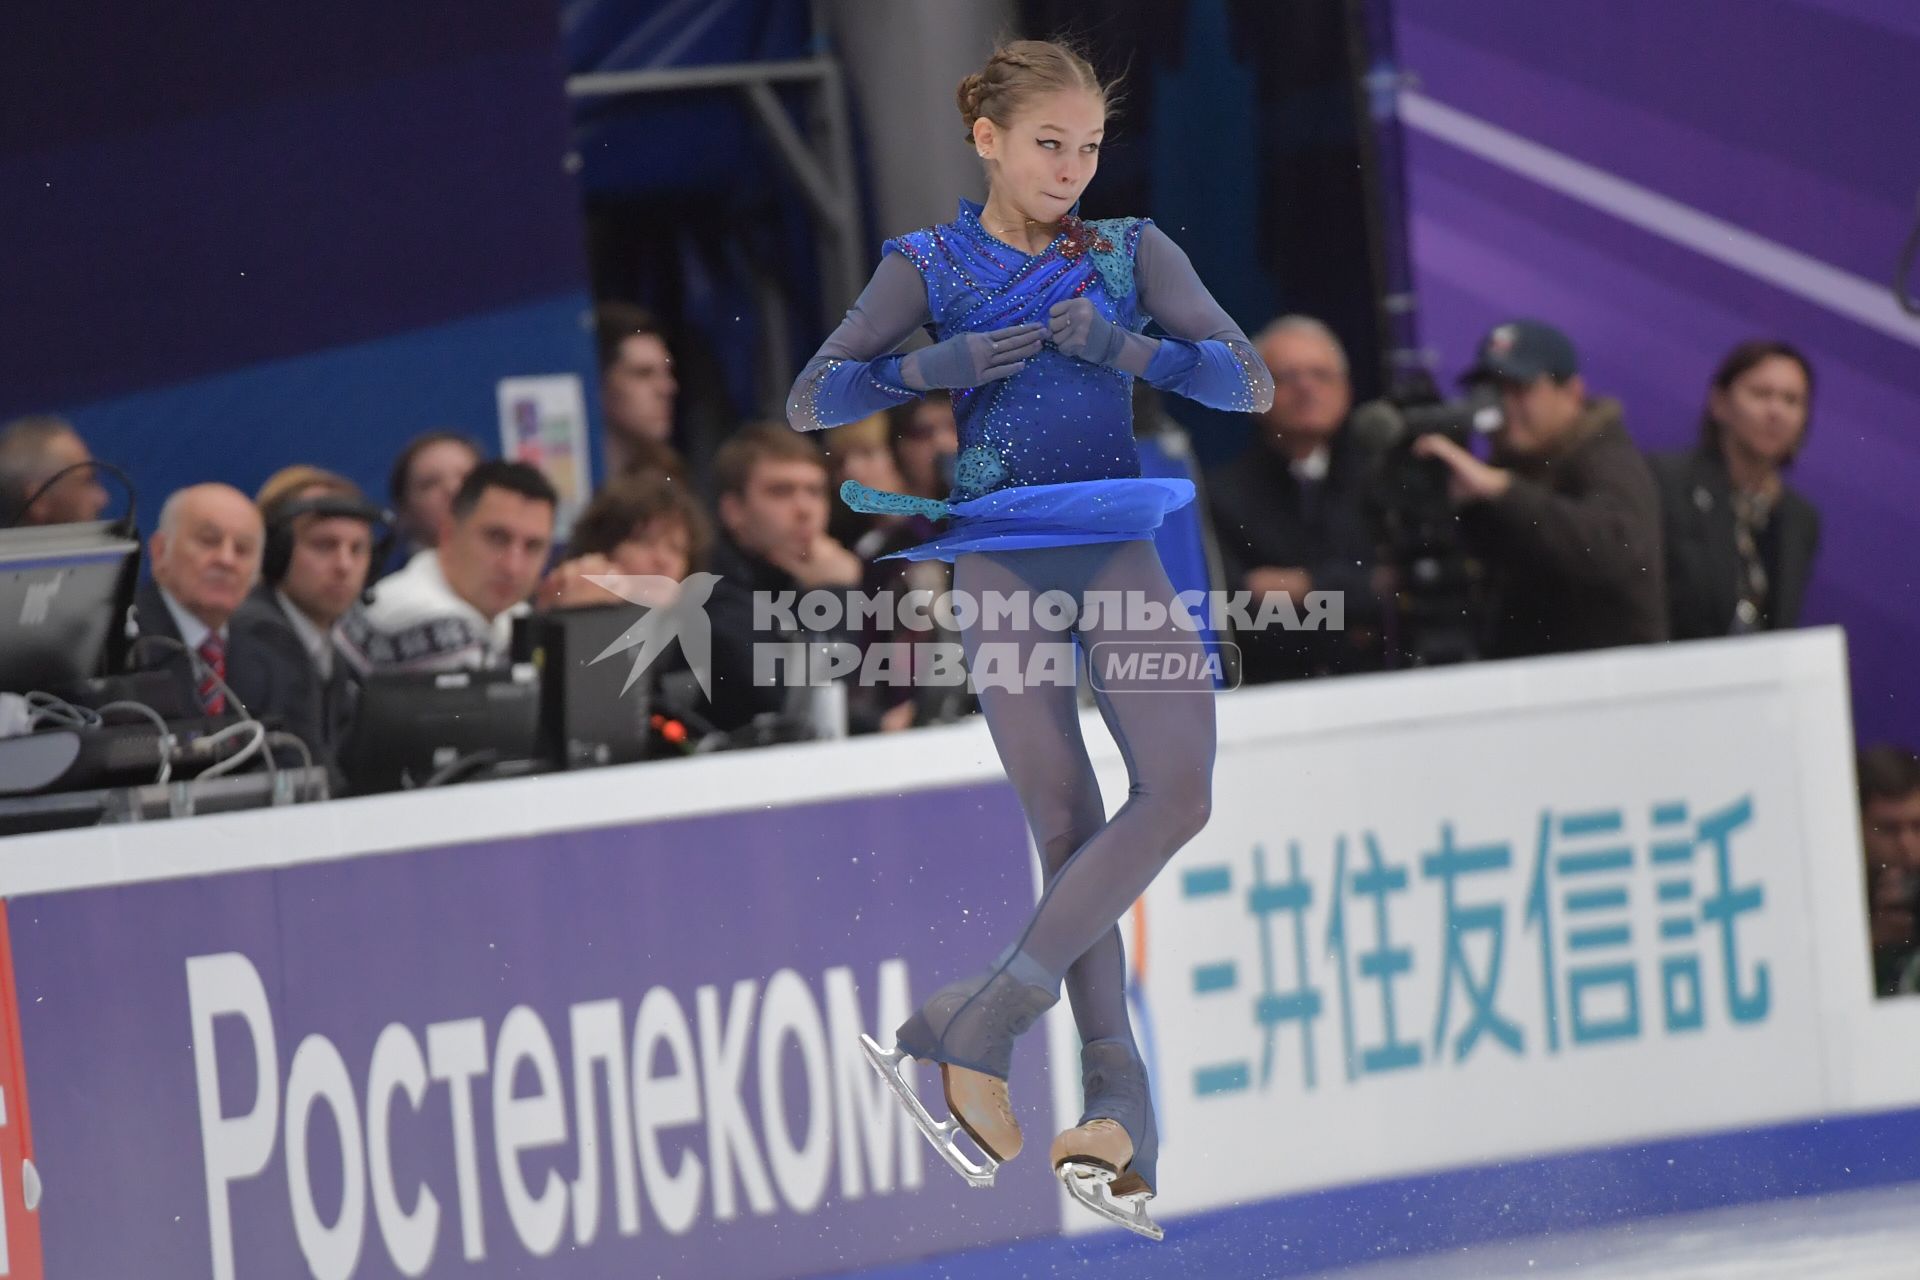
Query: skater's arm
[(1205, 356), (855, 373)]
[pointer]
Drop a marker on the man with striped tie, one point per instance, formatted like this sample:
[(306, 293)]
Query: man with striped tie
[(206, 558)]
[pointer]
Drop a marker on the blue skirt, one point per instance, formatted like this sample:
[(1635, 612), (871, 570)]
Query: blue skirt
[(1039, 515)]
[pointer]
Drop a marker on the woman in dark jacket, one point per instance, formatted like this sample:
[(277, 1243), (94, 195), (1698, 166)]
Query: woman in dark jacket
[(1740, 544)]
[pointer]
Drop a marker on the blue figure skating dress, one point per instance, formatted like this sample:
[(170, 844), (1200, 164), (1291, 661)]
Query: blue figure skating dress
[(1047, 456)]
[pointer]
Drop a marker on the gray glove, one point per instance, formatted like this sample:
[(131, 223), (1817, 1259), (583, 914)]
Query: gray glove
[(1079, 330), (971, 359)]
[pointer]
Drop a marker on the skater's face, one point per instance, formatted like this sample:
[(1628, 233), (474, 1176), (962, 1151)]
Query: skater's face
[(1047, 154), (782, 510)]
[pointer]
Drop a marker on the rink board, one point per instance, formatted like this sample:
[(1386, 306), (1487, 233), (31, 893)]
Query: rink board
[(436, 985), (497, 1002), (1468, 917)]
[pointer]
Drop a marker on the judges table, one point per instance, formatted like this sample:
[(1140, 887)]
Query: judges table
[(1492, 933), (58, 810)]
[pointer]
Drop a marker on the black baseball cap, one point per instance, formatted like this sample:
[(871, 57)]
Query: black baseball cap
[(1523, 351)]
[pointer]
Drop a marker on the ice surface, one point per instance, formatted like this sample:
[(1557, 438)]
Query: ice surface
[(1861, 1235)]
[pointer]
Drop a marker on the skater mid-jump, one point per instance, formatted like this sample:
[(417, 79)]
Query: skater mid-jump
[(1037, 318)]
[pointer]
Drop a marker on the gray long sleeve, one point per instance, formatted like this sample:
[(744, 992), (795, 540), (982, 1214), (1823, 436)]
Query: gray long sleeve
[(855, 373)]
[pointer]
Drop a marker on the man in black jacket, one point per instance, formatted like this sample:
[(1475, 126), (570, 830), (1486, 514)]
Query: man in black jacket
[(320, 539), (206, 558), (773, 512), (1291, 512), (1566, 517)]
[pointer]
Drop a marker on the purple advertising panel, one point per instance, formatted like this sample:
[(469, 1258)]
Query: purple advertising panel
[(617, 1051), (1663, 181)]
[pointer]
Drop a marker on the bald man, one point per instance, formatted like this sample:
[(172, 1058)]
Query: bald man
[(206, 558), (1291, 513)]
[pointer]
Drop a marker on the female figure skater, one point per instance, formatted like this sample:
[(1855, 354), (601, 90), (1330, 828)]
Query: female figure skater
[(1037, 317)]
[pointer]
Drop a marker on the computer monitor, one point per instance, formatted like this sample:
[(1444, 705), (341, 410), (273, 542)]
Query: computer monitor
[(587, 714), (64, 594), (414, 728)]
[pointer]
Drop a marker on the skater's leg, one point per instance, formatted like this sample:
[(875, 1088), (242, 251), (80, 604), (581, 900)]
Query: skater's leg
[(1036, 731), (969, 1026), (1164, 727), (1165, 732)]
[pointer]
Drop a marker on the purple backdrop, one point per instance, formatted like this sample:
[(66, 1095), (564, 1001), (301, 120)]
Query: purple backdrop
[(1792, 120), (938, 880)]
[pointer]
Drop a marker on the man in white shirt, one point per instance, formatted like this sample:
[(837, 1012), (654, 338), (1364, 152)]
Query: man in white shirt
[(453, 606)]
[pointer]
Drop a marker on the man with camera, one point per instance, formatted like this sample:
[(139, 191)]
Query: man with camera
[(1565, 517)]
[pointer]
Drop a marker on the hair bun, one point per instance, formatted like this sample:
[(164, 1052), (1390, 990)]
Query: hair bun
[(1017, 72), (972, 88)]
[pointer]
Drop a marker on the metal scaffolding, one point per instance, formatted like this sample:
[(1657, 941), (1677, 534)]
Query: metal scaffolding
[(819, 159)]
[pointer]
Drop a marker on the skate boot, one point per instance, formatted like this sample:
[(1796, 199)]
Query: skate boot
[(969, 1029), (1107, 1162)]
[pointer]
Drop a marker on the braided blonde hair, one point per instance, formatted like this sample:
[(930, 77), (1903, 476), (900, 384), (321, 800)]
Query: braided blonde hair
[(1019, 71)]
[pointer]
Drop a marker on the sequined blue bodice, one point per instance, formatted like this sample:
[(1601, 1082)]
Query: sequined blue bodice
[(1059, 419)]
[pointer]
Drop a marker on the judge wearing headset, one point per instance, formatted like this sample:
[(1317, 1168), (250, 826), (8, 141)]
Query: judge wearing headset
[(322, 539)]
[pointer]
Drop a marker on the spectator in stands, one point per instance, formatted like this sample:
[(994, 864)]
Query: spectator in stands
[(1566, 517), (320, 534), (637, 388), (1291, 513), (421, 486), (1740, 542), (863, 453), (206, 559), (639, 524), (773, 518), (453, 606), (926, 439), (1890, 826), (33, 451)]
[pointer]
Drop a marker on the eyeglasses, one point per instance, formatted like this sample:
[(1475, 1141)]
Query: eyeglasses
[(1321, 375)]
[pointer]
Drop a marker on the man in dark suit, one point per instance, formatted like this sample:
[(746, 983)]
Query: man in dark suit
[(319, 552), (206, 558), (774, 542), (1291, 513)]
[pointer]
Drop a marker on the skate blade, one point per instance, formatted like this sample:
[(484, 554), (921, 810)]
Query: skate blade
[(938, 1132), (1089, 1183)]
